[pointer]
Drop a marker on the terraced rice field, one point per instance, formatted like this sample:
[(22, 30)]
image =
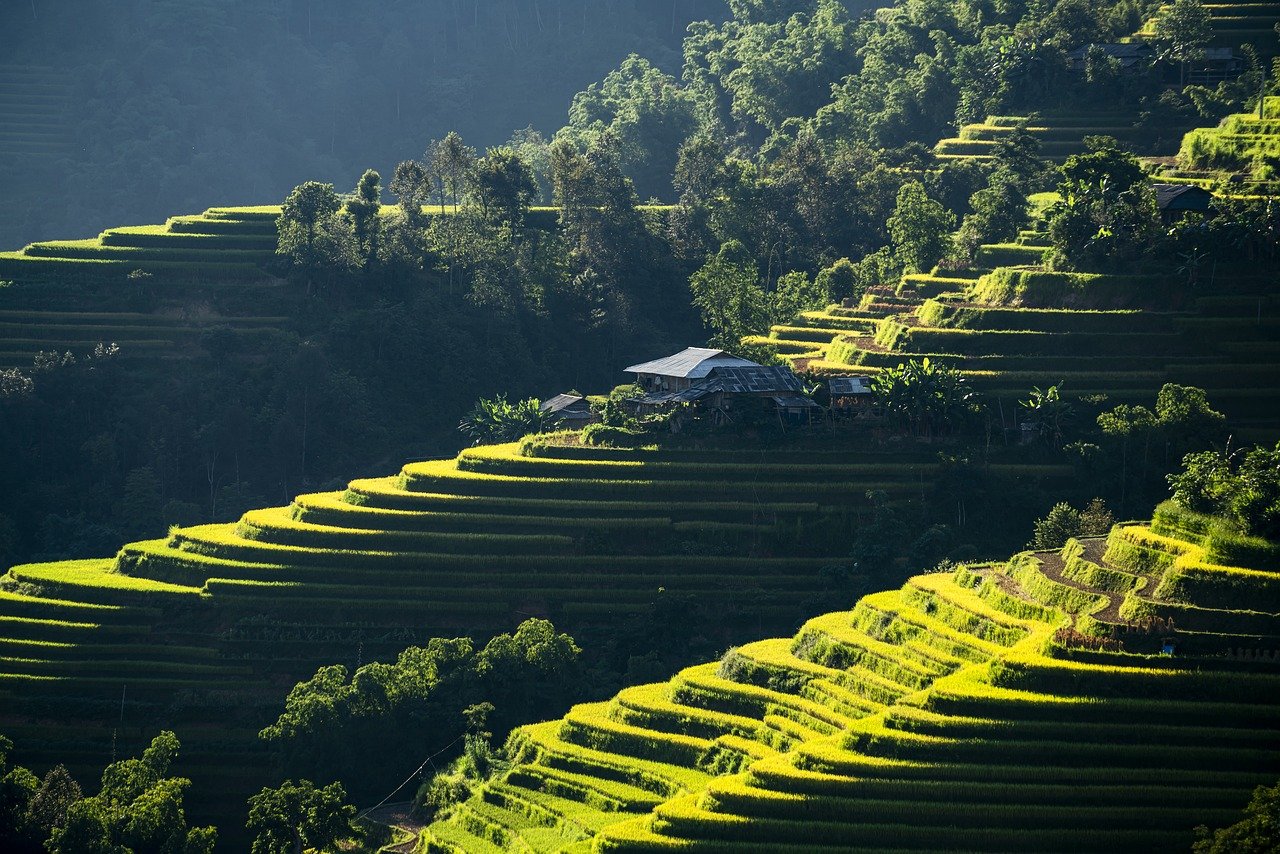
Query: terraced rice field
[(1009, 326), (35, 103), (207, 272), (1060, 135), (140, 335), (205, 630), (222, 244), (1235, 24), (1235, 143), (946, 715)]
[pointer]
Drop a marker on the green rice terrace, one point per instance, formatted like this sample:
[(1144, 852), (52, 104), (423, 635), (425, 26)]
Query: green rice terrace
[(1060, 134), (1022, 706), (190, 274), (1009, 325), (206, 629), (1244, 145), (150, 290), (1235, 24), (221, 243)]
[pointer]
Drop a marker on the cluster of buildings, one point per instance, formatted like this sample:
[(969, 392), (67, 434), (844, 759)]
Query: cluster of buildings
[(706, 384)]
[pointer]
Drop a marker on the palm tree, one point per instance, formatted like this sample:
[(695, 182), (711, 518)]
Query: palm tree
[(927, 397), (1048, 412)]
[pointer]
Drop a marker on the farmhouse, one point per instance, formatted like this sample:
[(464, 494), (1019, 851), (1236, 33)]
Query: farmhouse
[(702, 383), (1177, 200), (680, 371), (1130, 55)]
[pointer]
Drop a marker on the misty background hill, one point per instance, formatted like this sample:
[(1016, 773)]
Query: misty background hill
[(146, 108)]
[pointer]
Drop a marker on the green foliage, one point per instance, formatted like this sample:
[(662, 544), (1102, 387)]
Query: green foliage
[(606, 436), (138, 808), (839, 281), (1107, 219), (1242, 487), (478, 764), (494, 420), (727, 292), (1047, 413), (646, 110), (1064, 523), (795, 292), (505, 185), (998, 212), (1183, 29), (299, 816), (363, 209), (1258, 832), (927, 397), (920, 228), (313, 240), (358, 727)]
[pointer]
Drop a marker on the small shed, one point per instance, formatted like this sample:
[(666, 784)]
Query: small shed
[(1215, 65), (570, 409), (1177, 200), (681, 370), (1131, 55), (850, 392)]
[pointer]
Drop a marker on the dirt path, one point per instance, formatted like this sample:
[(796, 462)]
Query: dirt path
[(399, 816), (1052, 565)]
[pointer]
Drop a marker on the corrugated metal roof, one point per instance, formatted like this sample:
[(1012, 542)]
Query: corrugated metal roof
[(794, 401), (691, 363), (688, 395), (756, 379), (562, 401), (849, 385), (1167, 194)]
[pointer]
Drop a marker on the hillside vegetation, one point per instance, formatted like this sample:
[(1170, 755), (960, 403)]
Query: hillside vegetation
[(1043, 324), (203, 627), (1008, 324), (1243, 144), (1015, 706)]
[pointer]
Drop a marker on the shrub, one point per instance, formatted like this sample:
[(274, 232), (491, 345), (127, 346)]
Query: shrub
[(1241, 487), (497, 420), (1064, 522), (602, 435)]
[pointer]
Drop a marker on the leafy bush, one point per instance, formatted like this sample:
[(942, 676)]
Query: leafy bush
[(1242, 487), (602, 435), (1258, 832), (497, 420), (1065, 522)]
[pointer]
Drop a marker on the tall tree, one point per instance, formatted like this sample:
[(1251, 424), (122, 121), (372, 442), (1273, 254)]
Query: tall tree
[(505, 186), (138, 808), (364, 207), (727, 292), (312, 239), (1183, 29), (920, 228), (298, 816), (453, 161)]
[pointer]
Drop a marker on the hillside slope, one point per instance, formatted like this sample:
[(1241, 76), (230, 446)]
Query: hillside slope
[(1009, 325), (994, 708), (204, 630)]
